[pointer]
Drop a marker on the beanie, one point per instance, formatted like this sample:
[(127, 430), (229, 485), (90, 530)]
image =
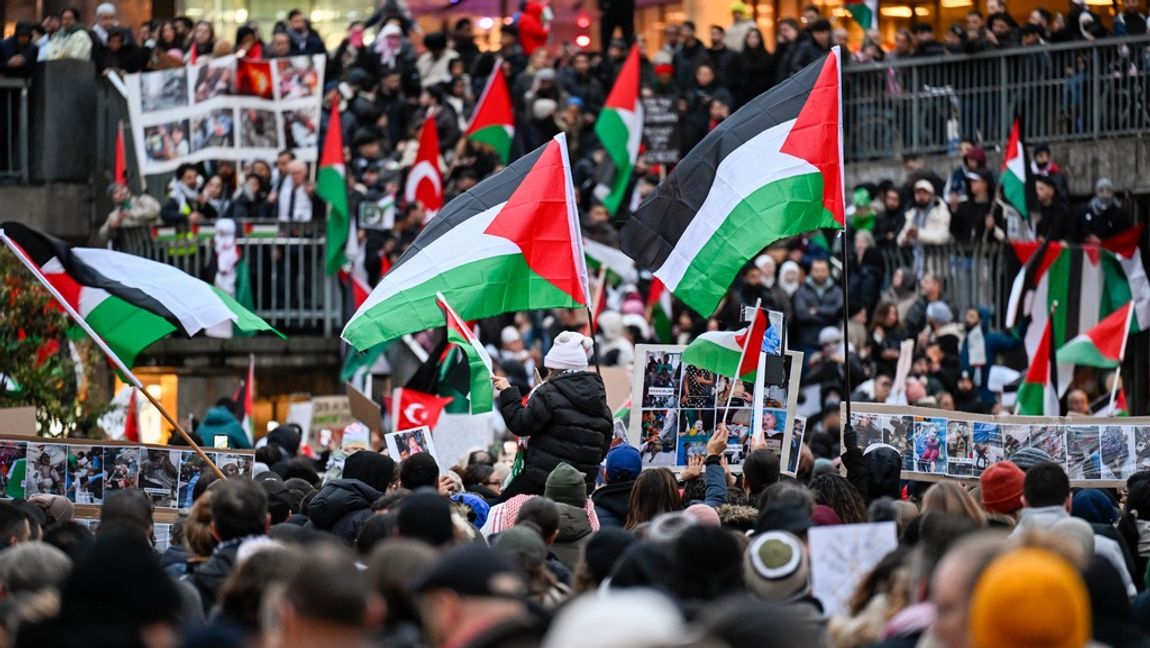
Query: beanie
[(775, 567), (1030, 597), (355, 437), (1002, 487), (624, 463), (566, 485), (1027, 457), (1093, 506), (425, 516), (568, 352), (603, 550), (520, 540)]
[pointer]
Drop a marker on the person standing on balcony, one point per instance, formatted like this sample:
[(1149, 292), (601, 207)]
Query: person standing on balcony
[(1104, 216), (927, 222), (1131, 22), (185, 205), (105, 22), (691, 54), (975, 220), (295, 202), (1053, 217), (71, 41), (128, 210), (925, 44), (809, 50), (18, 54)]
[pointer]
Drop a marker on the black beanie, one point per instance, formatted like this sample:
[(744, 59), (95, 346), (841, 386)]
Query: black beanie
[(371, 468), (426, 516), (603, 550)]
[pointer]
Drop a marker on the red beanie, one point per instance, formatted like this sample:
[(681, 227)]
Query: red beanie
[(1002, 487)]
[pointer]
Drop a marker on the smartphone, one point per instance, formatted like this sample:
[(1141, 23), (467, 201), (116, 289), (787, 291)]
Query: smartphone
[(220, 442)]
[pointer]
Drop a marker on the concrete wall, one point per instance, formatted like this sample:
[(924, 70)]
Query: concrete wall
[(62, 209)]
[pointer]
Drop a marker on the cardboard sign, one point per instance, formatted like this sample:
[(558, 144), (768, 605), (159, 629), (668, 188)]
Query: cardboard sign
[(841, 556), (363, 409), (20, 421)]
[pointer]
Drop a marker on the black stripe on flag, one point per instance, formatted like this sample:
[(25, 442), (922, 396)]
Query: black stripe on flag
[(658, 223), (1069, 312), (483, 196)]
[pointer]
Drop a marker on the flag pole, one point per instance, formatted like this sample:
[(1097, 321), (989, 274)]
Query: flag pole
[(111, 355), (846, 425), (1121, 356), (731, 389)]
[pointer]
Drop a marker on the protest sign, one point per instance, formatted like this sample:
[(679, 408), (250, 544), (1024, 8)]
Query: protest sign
[(18, 420), (225, 109), (330, 413), (842, 555), (363, 409), (661, 130), (1096, 452), (402, 445)]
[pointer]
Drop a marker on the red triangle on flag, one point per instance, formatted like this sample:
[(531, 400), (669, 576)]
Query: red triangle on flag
[(539, 218), (751, 342), (1125, 243), (424, 180), (494, 105), (816, 135), (625, 92)]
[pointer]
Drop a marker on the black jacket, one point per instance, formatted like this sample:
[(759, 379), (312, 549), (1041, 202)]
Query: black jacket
[(567, 420), (210, 576), (341, 507), (611, 503)]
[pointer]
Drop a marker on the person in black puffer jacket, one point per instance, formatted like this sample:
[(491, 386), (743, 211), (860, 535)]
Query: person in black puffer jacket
[(343, 505), (566, 418)]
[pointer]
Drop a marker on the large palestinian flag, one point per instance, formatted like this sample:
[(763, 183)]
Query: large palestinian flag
[(511, 243), (620, 128), (128, 300), (1087, 282), (331, 187), (493, 120), (772, 170)]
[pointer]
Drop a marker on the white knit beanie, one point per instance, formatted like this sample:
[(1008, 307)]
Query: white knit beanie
[(568, 352)]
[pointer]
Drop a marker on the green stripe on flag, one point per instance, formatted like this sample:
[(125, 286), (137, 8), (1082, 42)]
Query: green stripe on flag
[(127, 328), (495, 136), (245, 321), (1082, 351), (708, 351), (613, 133), (1014, 190), (481, 393)]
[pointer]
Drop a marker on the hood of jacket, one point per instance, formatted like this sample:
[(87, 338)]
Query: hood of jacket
[(614, 498), (884, 466), (574, 525), (218, 416), (338, 498), (584, 389)]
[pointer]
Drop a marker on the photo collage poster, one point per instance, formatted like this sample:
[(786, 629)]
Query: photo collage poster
[(676, 407), (226, 109), (954, 444)]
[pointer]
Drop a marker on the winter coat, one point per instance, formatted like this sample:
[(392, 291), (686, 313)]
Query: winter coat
[(574, 530), (611, 503), (341, 507), (566, 420), (827, 303), (218, 420), (532, 32), (935, 229), (210, 576)]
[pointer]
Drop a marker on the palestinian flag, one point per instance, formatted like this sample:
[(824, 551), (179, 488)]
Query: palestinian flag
[(659, 310), (1038, 394), (1015, 171), (460, 334), (493, 120), (331, 187), (729, 353), (128, 300), (424, 180), (1103, 346), (620, 267), (620, 128), (623, 412), (511, 243), (772, 170), (1126, 246), (1087, 282), (864, 13)]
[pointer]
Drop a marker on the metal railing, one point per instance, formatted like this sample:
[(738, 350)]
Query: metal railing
[(285, 264), (1072, 91), (977, 275), (13, 129)]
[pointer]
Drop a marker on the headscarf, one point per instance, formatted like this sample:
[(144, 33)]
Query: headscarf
[(764, 261), (789, 286)]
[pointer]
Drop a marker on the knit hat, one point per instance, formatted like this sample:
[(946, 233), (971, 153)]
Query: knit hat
[(1093, 506), (740, 9), (474, 570), (372, 468), (603, 550), (425, 516), (824, 515), (521, 540), (32, 566), (1002, 487), (925, 185), (566, 485), (624, 463), (1030, 597), (355, 437), (782, 517), (568, 352), (939, 313), (279, 500), (704, 515), (776, 568), (667, 527), (1027, 457)]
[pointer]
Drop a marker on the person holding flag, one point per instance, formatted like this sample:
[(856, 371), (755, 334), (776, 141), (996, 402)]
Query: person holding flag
[(566, 419)]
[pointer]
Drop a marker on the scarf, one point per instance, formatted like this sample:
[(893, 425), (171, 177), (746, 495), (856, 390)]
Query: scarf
[(503, 516)]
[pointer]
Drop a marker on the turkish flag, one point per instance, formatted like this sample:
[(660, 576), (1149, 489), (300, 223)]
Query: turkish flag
[(424, 180), (411, 409)]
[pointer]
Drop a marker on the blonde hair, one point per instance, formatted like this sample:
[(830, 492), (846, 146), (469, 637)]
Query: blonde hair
[(951, 498)]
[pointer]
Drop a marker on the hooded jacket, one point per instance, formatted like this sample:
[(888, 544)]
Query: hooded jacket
[(611, 503), (341, 507), (565, 485), (566, 420), (532, 32), (218, 420)]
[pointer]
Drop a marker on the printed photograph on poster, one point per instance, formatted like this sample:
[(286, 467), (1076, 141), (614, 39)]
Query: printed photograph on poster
[(699, 386), (744, 395), (958, 448), (1117, 451), (1015, 436), (234, 465), (987, 446), (775, 396), (164, 90), (160, 475), (121, 468), (1050, 439), (401, 445), (739, 429), (254, 79), (13, 461), (85, 480), (1083, 452), (898, 432), (214, 81), (774, 429), (661, 380), (301, 128), (214, 129), (867, 428), (1142, 447), (695, 429), (930, 444), (298, 77), (774, 338), (798, 437), (658, 437), (192, 468), (167, 142), (258, 129), (47, 464)]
